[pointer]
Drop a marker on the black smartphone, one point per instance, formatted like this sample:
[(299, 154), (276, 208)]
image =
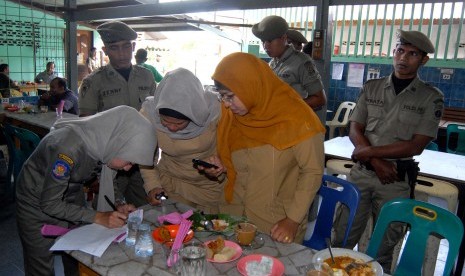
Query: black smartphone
[(202, 163)]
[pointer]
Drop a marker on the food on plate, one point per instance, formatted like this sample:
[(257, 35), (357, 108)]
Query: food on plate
[(225, 254), (219, 224), (261, 268), (164, 234), (214, 247), (341, 262)]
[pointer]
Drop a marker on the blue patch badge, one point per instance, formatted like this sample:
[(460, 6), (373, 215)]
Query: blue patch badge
[(60, 169)]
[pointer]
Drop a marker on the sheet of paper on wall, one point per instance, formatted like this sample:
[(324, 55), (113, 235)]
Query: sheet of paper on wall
[(93, 239), (373, 73), (338, 69), (355, 75)]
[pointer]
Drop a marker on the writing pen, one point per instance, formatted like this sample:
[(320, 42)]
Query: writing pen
[(110, 203)]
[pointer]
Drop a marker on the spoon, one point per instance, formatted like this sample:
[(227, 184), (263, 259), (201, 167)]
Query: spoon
[(208, 224), (328, 244)]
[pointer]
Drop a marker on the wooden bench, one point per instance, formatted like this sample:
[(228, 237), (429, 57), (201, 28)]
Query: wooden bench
[(454, 114)]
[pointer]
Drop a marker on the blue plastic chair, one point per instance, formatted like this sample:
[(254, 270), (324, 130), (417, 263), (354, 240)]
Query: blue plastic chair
[(349, 195), (432, 146), (423, 220), (21, 143), (457, 133)]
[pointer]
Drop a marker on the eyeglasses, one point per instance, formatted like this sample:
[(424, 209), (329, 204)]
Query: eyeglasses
[(222, 97), (226, 98)]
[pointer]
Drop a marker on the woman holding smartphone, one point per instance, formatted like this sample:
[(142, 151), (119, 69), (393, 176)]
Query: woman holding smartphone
[(185, 117), (271, 144)]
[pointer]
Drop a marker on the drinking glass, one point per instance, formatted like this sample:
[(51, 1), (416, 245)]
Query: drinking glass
[(194, 259), (144, 245), (133, 226)]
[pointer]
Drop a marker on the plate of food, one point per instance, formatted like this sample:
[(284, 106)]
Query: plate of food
[(220, 223), (222, 251), (260, 265), (343, 257), (167, 233)]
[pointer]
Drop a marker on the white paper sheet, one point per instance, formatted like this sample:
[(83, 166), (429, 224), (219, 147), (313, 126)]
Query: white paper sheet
[(93, 239), (338, 69), (355, 75)]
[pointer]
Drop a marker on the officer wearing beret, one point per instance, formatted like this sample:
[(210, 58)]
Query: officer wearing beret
[(118, 83), (296, 39), (395, 118), (293, 67)]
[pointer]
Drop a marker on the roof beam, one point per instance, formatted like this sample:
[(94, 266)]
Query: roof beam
[(183, 7)]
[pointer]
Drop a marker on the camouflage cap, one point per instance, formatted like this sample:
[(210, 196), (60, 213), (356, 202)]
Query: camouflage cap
[(115, 31), (417, 39), (270, 27), (296, 36)]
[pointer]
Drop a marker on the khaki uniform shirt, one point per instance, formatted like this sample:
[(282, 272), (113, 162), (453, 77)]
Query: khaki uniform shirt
[(176, 174), (105, 88), (274, 184), (49, 188), (389, 118), (298, 70)]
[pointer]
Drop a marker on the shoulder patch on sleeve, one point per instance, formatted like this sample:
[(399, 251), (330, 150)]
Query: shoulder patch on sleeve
[(438, 107), (310, 67), (66, 158), (61, 169), (84, 87)]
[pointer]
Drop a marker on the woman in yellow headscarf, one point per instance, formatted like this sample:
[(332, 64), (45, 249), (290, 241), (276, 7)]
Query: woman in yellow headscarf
[(271, 144)]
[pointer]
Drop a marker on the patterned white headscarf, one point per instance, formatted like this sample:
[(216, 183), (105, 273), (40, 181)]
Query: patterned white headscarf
[(120, 132)]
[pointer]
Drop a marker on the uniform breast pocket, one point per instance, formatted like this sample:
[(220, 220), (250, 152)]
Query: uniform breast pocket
[(408, 122), (374, 116)]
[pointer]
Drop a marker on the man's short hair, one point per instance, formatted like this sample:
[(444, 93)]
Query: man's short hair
[(3, 67), (61, 82)]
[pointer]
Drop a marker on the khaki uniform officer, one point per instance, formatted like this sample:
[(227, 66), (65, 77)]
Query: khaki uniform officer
[(118, 83), (293, 67), (395, 118)]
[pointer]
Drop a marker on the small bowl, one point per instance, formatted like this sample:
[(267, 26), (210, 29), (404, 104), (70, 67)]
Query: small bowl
[(173, 229)]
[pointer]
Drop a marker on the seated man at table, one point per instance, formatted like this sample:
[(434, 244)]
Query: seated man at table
[(48, 75), (58, 92), (6, 84), (395, 118)]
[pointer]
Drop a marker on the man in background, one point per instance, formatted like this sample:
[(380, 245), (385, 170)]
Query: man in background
[(118, 83), (92, 62), (293, 67), (59, 92), (296, 39), (141, 58), (48, 75), (5, 82), (394, 119)]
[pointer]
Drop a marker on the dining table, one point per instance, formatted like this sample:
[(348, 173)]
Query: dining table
[(37, 122), (434, 164), (120, 259)]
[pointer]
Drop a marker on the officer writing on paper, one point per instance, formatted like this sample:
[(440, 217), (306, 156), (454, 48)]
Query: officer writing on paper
[(395, 118), (50, 185)]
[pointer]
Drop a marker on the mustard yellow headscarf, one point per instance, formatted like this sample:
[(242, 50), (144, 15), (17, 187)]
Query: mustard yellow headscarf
[(277, 115)]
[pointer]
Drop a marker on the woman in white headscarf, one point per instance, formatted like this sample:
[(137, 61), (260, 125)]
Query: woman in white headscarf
[(51, 180), (185, 117)]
